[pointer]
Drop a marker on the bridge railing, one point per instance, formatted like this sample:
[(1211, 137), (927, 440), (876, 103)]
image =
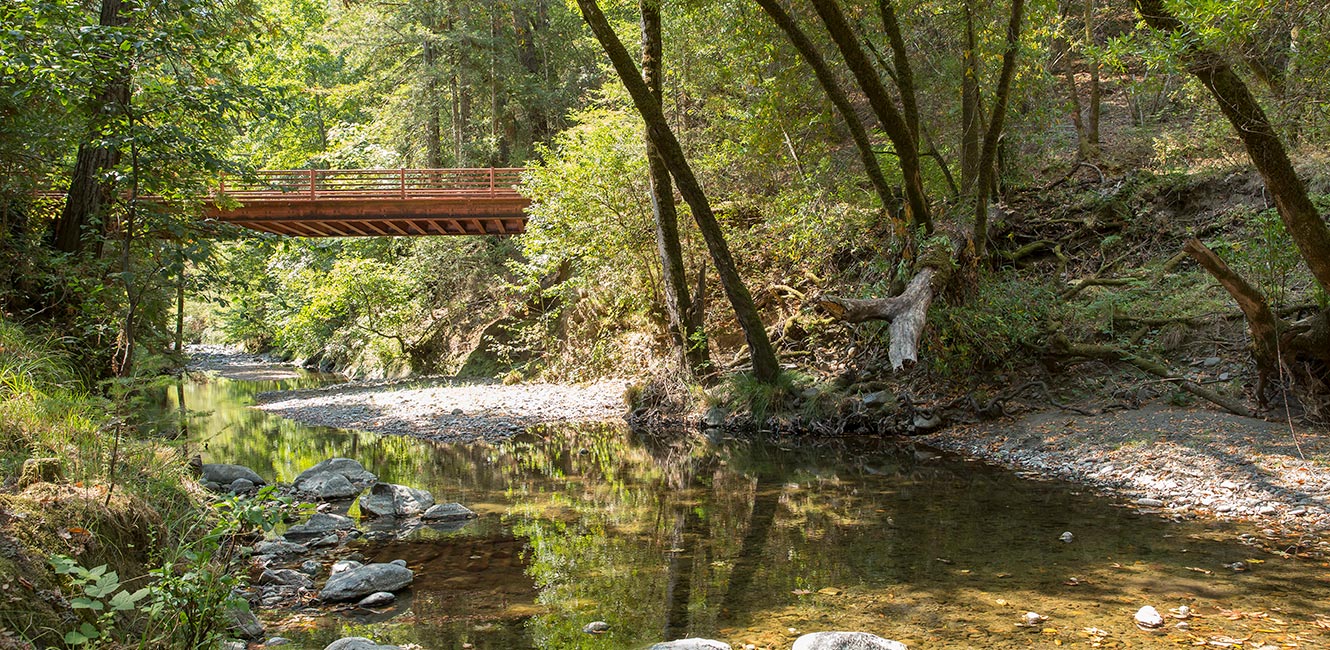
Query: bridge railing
[(289, 184)]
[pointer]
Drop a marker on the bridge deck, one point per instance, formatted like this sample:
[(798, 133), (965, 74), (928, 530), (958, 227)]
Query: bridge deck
[(374, 202)]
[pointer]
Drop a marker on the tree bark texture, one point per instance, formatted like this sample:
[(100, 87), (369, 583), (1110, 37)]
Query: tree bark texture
[(893, 123), (889, 199), (988, 156), (89, 194), (901, 61), (972, 113), (765, 367), (686, 333), (433, 128), (1262, 323), (1303, 222)]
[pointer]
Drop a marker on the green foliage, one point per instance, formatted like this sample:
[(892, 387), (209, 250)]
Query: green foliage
[(990, 329)]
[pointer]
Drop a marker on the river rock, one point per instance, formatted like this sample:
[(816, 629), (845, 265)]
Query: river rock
[(285, 577), (241, 486), (1149, 503), (320, 524), (596, 627), (845, 641), (391, 500), (280, 547), (347, 468), (344, 565), (1149, 618), (357, 583), (691, 644), (448, 512), (377, 599), (358, 643), (311, 568), (223, 474), (233, 645), (276, 641), (244, 623), (329, 486)]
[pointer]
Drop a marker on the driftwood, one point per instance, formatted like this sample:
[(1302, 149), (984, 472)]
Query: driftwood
[(907, 313)]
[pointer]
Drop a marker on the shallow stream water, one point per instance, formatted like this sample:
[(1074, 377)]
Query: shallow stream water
[(757, 543)]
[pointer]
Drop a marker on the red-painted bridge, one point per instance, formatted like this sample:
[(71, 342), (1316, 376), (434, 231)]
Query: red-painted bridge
[(374, 202)]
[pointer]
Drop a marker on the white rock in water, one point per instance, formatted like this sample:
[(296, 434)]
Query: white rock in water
[(691, 644), (845, 641), (1067, 537), (1149, 503), (1034, 618), (1148, 618)]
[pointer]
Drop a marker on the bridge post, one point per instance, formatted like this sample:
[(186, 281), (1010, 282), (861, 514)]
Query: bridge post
[(491, 181), (312, 193), (401, 179)]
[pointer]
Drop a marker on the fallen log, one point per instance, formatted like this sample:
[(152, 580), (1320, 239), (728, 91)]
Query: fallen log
[(906, 313)]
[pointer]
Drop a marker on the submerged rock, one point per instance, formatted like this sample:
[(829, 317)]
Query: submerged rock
[(354, 584), (845, 641), (448, 512), (1148, 618), (391, 500), (691, 644), (223, 474), (358, 643)]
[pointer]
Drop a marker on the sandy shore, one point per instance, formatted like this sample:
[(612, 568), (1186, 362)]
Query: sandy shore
[(446, 409)]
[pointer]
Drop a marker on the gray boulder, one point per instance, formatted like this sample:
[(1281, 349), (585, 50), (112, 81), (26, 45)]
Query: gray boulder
[(845, 641), (377, 599), (280, 547), (285, 577), (352, 471), (244, 623), (448, 512), (358, 643), (390, 500), (327, 486), (223, 474), (691, 644), (241, 486), (320, 524), (354, 584)]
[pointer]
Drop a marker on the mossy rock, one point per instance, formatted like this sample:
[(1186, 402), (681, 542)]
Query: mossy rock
[(39, 470)]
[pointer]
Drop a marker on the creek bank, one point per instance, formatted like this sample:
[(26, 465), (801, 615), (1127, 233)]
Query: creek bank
[(1174, 462), (447, 409)]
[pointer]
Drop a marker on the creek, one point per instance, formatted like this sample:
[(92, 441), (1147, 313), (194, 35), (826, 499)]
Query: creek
[(756, 543)]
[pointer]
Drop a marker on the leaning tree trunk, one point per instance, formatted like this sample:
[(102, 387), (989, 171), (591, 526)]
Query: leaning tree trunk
[(1304, 347), (1303, 222), (687, 332), (890, 201), (765, 367), (89, 193), (988, 156), (893, 123)]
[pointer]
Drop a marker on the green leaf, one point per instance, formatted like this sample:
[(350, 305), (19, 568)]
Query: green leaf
[(124, 601), (74, 638), (86, 603)]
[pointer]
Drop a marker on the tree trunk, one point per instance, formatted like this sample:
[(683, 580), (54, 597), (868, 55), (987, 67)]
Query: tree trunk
[(687, 335), (1260, 320), (765, 367), (893, 123), (972, 130), (1096, 92), (904, 73), (433, 128), (1303, 222), (83, 217), (1062, 50), (890, 201), (987, 157)]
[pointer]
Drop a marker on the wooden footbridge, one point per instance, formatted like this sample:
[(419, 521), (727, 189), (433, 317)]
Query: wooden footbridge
[(374, 202)]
